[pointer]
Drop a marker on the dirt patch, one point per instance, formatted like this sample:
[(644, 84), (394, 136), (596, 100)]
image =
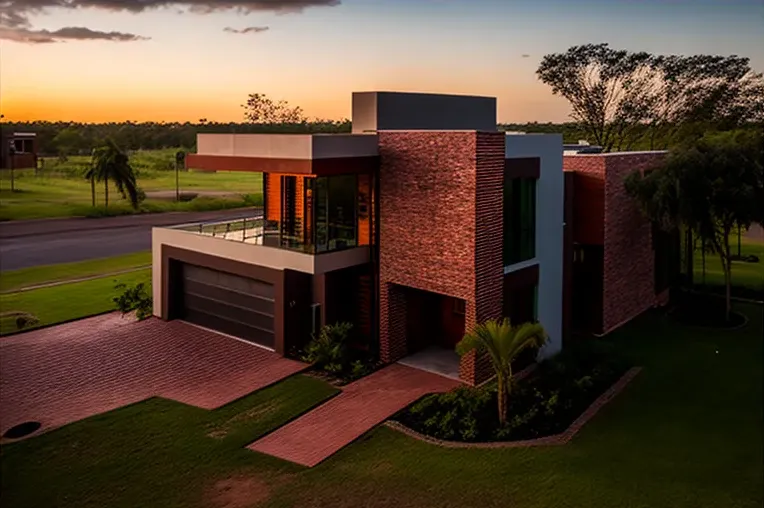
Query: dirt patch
[(238, 492), (222, 430)]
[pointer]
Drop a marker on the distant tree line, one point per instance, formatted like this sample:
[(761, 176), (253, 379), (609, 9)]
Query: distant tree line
[(73, 138)]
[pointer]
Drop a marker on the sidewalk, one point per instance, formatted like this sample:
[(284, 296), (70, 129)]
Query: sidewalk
[(361, 406), (15, 229)]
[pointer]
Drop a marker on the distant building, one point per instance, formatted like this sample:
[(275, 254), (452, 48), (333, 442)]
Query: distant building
[(24, 147)]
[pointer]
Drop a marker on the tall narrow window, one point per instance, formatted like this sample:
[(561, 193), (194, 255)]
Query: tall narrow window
[(519, 220)]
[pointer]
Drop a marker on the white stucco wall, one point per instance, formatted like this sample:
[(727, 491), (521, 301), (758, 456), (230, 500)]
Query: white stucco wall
[(550, 195)]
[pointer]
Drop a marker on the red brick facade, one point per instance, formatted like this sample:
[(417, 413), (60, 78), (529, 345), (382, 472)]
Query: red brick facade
[(629, 275), (435, 188), (628, 266)]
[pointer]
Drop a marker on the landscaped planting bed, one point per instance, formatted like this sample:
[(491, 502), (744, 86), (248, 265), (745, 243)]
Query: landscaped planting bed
[(545, 403)]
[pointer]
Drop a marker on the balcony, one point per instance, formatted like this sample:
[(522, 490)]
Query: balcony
[(246, 241)]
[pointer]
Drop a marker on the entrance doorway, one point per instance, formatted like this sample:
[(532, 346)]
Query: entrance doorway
[(434, 325)]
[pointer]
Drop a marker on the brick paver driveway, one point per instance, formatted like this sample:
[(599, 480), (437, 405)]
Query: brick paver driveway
[(361, 406), (62, 374)]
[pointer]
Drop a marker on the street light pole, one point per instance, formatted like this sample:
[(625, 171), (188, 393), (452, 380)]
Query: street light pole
[(180, 158), (12, 157)]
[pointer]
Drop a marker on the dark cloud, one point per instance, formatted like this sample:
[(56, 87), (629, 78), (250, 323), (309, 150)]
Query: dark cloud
[(248, 30), (20, 9), (70, 33), (15, 25)]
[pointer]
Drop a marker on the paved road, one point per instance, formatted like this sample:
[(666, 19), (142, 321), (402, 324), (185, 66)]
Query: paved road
[(25, 244)]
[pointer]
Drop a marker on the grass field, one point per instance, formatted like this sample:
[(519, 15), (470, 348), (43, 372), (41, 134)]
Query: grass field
[(686, 433), (65, 302), (746, 275), (14, 280), (59, 190)]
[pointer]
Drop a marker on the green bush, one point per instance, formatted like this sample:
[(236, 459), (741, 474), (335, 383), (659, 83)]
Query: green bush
[(135, 298), (544, 404), (332, 352)]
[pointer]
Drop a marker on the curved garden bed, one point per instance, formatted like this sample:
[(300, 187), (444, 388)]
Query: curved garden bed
[(546, 406)]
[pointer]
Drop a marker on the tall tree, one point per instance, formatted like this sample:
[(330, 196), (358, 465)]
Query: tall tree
[(710, 187), (111, 163), (502, 342), (607, 90), (618, 97), (260, 109), (702, 90)]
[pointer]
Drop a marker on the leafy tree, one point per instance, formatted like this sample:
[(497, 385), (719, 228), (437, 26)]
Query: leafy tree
[(111, 163), (69, 141), (260, 109), (607, 89), (620, 97), (703, 90), (711, 187), (503, 342)]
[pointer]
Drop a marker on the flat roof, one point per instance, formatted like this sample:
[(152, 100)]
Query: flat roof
[(288, 146)]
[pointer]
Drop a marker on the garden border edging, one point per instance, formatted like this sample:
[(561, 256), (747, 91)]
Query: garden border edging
[(554, 440)]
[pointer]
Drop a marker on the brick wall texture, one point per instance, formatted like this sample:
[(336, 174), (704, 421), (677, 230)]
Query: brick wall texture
[(629, 283), (436, 188), (628, 278)]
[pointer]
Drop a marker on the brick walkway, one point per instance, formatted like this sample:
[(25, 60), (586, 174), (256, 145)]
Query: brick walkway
[(66, 373), (362, 405)]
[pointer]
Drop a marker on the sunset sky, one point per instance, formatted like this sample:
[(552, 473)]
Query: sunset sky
[(190, 60)]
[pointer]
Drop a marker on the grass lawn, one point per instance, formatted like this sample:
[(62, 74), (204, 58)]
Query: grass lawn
[(60, 191), (26, 277), (748, 275), (685, 433), (67, 301)]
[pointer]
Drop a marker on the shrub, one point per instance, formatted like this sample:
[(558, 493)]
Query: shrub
[(332, 352), (543, 404), (329, 350), (135, 298)]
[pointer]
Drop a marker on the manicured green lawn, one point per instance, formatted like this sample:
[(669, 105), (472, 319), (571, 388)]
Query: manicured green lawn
[(156, 453), (67, 301), (686, 433), (60, 192), (26, 277), (748, 275)]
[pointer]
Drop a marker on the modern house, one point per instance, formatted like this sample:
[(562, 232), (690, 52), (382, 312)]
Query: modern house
[(422, 222), (18, 150)]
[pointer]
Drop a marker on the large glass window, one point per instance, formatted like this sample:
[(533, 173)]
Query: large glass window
[(310, 214), (519, 220)]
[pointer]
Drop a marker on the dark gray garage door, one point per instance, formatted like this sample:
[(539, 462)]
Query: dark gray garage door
[(228, 303)]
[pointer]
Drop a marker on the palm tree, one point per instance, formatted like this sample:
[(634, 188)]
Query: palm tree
[(90, 174), (110, 162), (503, 342)]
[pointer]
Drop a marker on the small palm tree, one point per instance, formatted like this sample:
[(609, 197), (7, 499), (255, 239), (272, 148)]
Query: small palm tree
[(503, 342), (110, 162)]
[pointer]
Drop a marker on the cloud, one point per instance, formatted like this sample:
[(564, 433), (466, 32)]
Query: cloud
[(15, 24), (21, 9), (248, 30), (70, 33), (526, 55)]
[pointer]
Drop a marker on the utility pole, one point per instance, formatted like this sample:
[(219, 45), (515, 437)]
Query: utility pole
[(12, 157)]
